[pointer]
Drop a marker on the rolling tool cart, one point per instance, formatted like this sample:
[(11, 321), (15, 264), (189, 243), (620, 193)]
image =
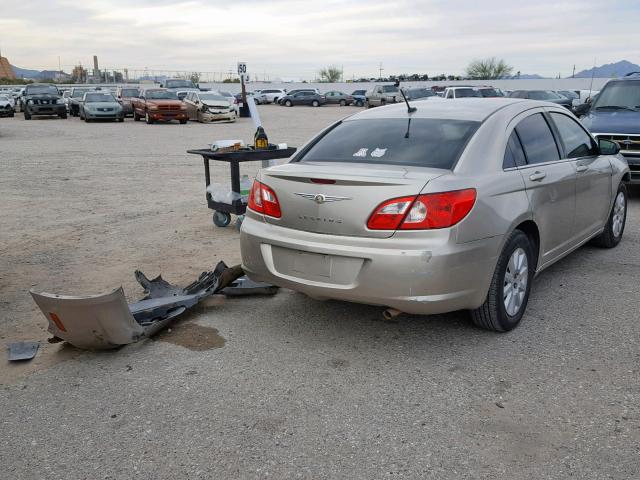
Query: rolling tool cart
[(222, 210)]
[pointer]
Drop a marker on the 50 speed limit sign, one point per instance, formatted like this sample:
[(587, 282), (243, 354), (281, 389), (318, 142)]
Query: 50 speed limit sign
[(242, 70)]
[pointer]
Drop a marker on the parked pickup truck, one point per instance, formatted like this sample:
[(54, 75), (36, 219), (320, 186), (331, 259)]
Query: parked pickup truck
[(614, 115), (159, 104), (383, 94)]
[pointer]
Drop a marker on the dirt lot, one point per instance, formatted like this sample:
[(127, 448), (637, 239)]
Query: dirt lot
[(285, 387)]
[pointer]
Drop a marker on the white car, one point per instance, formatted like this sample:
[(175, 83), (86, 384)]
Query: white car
[(461, 92), (7, 106), (232, 100), (271, 95)]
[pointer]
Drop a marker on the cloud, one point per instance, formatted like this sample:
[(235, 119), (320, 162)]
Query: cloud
[(289, 38)]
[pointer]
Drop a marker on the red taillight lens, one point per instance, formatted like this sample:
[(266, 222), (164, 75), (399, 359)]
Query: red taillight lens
[(433, 210), (263, 199), (389, 214)]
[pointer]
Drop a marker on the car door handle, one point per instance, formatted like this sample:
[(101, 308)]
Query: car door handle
[(537, 176), (581, 168)]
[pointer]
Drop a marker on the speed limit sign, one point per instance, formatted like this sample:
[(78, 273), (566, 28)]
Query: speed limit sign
[(242, 69)]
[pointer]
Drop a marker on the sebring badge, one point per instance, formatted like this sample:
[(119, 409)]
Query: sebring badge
[(319, 198)]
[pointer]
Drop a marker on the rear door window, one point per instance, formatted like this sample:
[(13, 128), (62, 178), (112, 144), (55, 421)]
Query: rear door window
[(537, 140), (513, 154), (577, 143), (425, 142)]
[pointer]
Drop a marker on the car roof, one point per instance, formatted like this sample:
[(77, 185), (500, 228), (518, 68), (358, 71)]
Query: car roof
[(473, 109)]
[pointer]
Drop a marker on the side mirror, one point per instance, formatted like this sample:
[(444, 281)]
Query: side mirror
[(607, 147)]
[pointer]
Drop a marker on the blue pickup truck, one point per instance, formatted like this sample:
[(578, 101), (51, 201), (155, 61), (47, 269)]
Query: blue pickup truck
[(615, 115)]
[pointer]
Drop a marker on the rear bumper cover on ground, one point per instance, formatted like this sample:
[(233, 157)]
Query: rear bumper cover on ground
[(410, 272)]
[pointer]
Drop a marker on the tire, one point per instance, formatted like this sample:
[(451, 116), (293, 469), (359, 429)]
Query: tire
[(120, 120), (63, 116), (288, 103), (239, 221), (87, 120), (343, 103), (359, 103), (368, 105), (148, 119), (494, 314), (136, 117), (12, 114), (221, 219), (614, 228), (27, 115), (315, 103), (182, 122)]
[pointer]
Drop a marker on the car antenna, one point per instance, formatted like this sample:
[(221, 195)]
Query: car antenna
[(410, 109)]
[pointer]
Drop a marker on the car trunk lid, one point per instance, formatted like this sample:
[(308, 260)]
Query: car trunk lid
[(338, 198)]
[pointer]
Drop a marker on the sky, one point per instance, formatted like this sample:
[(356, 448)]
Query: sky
[(294, 39)]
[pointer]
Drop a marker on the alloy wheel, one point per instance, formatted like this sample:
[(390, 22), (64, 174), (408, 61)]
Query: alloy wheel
[(619, 208), (516, 279)]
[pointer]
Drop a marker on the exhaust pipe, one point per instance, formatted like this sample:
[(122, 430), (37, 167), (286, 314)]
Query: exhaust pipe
[(390, 313)]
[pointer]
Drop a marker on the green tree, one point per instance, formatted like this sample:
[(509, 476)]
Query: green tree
[(331, 74), (488, 69)]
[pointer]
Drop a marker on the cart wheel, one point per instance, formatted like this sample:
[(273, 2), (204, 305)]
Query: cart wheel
[(239, 221), (221, 219)]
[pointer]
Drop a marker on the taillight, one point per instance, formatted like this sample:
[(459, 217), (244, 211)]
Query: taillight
[(263, 199), (433, 210)]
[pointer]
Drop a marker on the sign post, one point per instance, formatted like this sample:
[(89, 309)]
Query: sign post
[(242, 73)]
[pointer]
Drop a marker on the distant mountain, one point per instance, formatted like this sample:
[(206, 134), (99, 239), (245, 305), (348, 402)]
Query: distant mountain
[(528, 76), (26, 73), (610, 70)]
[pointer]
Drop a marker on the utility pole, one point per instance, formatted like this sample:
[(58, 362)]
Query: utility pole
[(573, 75), (380, 70)]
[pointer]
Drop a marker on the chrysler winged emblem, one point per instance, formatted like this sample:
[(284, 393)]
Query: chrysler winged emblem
[(320, 198)]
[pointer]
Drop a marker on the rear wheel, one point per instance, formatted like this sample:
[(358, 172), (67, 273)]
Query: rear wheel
[(27, 115), (288, 103), (343, 103), (614, 228), (147, 118), (508, 294), (315, 103)]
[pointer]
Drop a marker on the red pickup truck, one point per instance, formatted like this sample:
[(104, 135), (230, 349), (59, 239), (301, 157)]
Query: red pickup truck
[(159, 104)]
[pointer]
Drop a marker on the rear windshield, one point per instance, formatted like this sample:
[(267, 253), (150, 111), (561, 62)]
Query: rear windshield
[(467, 92), (424, 142)]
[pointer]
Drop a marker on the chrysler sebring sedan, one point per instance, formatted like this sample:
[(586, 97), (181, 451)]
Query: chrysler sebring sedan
[(457, 205)]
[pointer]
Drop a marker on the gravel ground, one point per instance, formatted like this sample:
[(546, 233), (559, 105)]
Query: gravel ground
[(287, 386)]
